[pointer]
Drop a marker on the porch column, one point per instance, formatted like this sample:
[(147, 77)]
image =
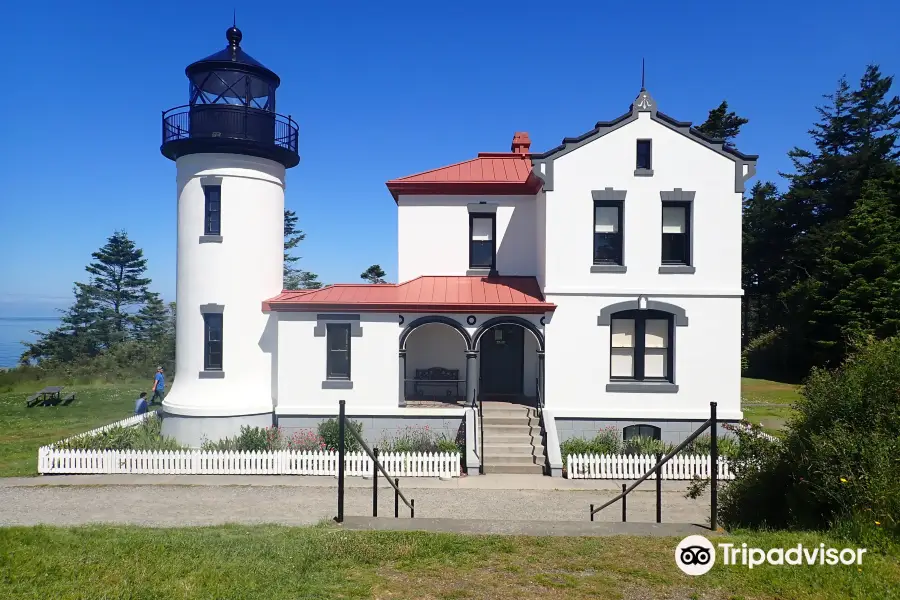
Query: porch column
[(471, 377), (402, 378), (540, 390)]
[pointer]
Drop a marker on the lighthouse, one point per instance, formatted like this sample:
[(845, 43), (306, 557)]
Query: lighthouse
[(231, 151)]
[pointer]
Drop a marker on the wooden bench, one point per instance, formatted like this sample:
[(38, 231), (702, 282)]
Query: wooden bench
[(69, 399), (33, 400), (438, 376)]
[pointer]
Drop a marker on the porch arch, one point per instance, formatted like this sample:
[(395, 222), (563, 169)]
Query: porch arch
[(525, 324), (434, 319)]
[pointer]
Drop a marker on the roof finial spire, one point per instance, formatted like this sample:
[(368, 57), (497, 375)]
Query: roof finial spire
[(643, 89), (234, 17)]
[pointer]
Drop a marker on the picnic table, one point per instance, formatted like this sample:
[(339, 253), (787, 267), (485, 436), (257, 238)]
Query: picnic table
[(50, 396)]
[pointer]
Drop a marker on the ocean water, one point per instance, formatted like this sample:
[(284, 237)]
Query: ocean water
[(15, 330)]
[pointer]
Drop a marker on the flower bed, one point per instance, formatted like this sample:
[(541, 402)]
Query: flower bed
[(303, 453)]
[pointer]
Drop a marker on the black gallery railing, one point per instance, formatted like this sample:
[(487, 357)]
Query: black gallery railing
[(209, 121), (376, 467), (657, 470)]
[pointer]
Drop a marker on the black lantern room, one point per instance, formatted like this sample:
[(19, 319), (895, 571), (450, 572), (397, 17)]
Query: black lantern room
[(231, 109)]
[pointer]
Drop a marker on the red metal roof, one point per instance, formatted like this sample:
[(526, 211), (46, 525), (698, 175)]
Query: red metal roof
[(427, 294), (491, 173)]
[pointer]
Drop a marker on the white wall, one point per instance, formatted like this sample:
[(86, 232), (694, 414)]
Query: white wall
[(433, 235), (239, 273), (678, 162), (436, 345), (707, 361), (374, 364)]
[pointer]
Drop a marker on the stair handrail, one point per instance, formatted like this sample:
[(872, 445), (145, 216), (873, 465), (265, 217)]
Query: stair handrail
[(481, 433), (342, 428), (713, 471)]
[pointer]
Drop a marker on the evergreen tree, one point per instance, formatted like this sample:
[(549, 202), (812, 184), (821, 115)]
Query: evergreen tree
[(295, 278), (118, 284), (374, 274), (722, 124), (856, 294), (82, 333), (152, 320)]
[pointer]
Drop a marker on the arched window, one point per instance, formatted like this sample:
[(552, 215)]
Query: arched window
[(642, 346), (647, 431)]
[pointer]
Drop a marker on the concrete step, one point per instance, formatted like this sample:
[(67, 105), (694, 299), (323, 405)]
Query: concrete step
[(513, 449), (508, 438), (509, 429), (515, 469), (509, 421), (513, 411), (511, 459)]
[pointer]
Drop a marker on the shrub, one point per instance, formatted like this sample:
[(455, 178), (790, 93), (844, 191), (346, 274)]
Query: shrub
[(415, 438), (251, 439), (646, 445), (728, 446), (308, 441), (607, 441), (836, 466), (146, 435), (329, 432)]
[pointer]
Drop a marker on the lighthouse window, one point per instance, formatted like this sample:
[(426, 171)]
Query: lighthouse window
[(212, 341), (213, 213)]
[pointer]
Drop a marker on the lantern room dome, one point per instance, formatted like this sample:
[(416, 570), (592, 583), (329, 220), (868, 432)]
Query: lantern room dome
[(231, 109)]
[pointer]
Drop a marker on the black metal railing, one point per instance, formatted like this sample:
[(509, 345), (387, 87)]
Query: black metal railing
[(210, 121), (657, 469), (376, 467), (481, 432)]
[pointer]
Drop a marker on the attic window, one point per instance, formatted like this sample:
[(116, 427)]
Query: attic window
[(644, 155)]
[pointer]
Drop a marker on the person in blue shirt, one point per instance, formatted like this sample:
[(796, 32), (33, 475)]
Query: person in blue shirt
[(140, 406), (159, 386)]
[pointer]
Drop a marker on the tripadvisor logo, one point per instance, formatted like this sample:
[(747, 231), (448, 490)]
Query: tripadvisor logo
[(696, 555)]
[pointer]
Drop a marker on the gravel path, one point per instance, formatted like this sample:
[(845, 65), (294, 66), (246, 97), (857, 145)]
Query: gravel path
[(180, 505)]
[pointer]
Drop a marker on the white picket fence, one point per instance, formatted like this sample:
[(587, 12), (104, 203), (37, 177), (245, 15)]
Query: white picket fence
[(279, 462), (634, 466), (52, 459)]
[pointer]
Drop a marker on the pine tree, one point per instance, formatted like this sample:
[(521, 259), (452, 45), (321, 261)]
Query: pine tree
[(374, 274), (856, 294), (152, 320), (294, 278), (118, 284), (82, 333), (722, 124)]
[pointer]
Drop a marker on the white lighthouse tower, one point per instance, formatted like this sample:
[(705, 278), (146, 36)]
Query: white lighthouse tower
[(231, 150)]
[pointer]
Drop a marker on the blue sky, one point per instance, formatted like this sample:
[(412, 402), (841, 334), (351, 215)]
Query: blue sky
[(380, 90)]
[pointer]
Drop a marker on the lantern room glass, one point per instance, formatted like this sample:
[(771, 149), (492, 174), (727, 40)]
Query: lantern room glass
[(234, 88)]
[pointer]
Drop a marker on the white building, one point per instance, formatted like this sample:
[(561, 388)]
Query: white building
[(599, 280)]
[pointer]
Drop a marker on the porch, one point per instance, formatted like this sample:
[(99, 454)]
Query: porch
[(445, 363)]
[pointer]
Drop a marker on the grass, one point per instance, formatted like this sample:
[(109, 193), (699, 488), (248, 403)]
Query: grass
[(24, 429), (768, 403), (325, 562), (762, 391)]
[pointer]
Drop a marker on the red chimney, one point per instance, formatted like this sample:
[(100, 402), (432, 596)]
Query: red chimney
[(521, 143)]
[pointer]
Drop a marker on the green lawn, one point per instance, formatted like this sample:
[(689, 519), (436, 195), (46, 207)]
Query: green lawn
[(768, 392), (768, 403), (24, 430), (325, 562)]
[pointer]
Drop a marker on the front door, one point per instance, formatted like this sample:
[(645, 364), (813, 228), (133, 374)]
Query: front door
[(502, 358)]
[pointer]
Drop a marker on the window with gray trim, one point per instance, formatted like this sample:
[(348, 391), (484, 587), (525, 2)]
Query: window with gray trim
[(607, 232), (212, 341), (213, 210), (482, 240), (676, 233), (644, 155), (338, 343), (641, 346), (644, 431)]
